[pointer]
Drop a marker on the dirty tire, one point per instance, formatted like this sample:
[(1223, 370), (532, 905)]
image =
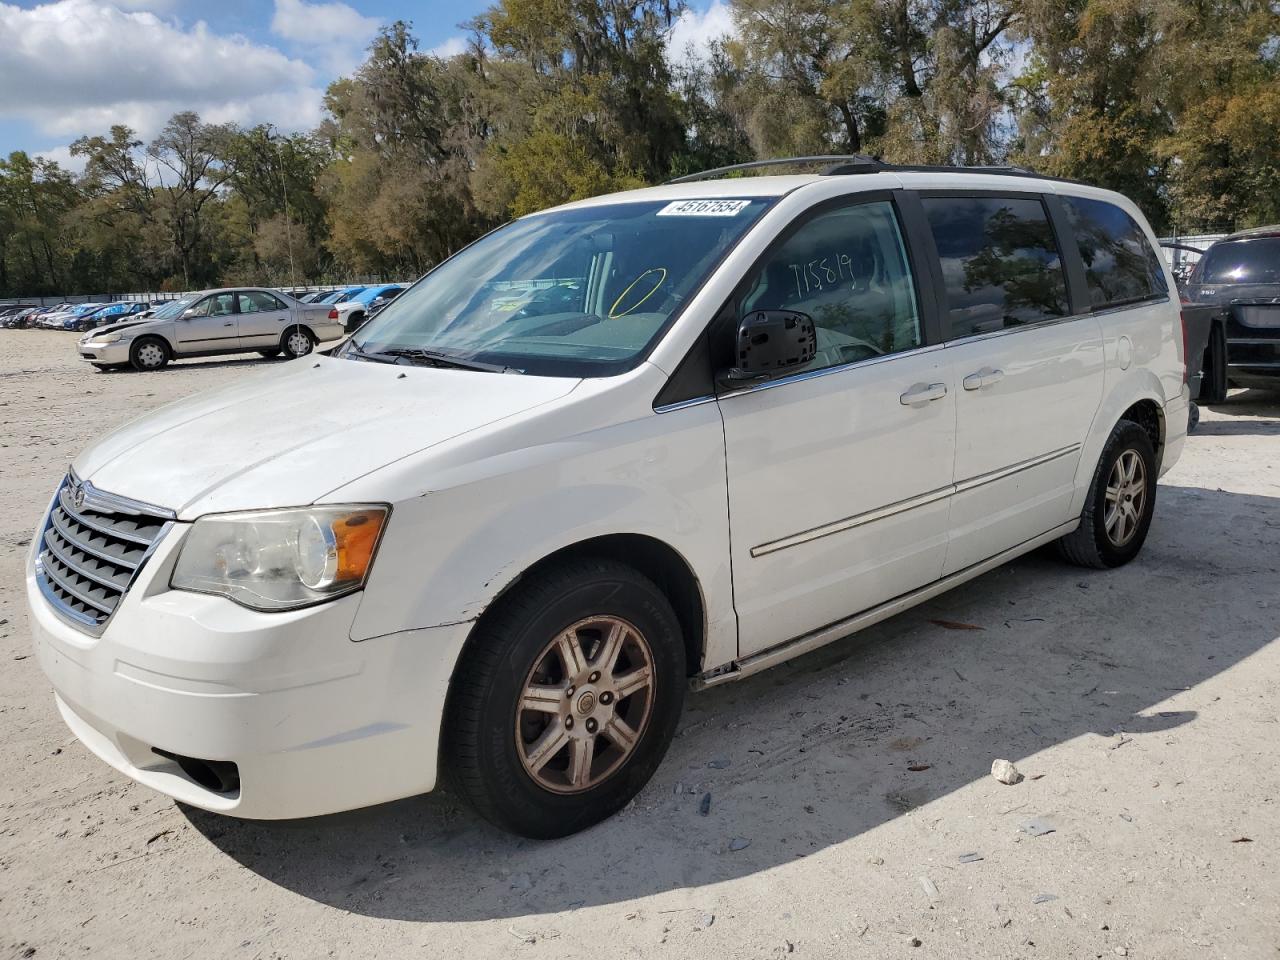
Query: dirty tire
[(1213, 382), (149, 353), (297, 342), (1090, 545), (483, 751)]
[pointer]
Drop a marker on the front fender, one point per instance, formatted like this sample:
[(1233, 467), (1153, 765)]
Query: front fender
[(450, 551)]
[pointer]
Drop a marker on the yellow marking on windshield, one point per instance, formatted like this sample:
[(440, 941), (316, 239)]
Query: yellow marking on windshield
[(631, 286)]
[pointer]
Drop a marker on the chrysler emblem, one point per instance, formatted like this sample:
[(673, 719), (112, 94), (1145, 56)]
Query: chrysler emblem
[(77, 496)]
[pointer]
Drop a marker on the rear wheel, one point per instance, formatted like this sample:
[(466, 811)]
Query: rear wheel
[(1121, 501), (297, 342), (1213, 382), (149, 353), (566, 698)]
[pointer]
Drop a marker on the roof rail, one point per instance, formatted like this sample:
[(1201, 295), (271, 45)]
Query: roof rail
[(835, 164), (855, 163)]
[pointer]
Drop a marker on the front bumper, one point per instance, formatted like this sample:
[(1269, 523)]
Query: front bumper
[(314, 722), (117, 352)]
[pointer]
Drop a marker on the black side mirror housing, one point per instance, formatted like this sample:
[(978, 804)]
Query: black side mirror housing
[(770, 343)]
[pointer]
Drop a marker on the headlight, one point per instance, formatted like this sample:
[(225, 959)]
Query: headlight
[(105, 339), (281, 559)]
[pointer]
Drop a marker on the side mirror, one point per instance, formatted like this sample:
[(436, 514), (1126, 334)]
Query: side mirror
[(770, 343), (188, 313)]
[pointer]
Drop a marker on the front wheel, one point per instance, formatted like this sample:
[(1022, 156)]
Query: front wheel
[(1121, 501), (269, 354), (149, 354), (566, 698)]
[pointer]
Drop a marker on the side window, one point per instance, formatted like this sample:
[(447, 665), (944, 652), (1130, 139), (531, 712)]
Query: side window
[(1000, 262), (848, 270), (219, 305), (1119, 264), (202, 308), (254, 301)]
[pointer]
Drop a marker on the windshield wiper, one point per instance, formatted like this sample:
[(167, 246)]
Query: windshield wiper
[(352, 350), (434, 359)]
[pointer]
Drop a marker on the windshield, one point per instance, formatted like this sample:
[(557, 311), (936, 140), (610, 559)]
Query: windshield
[(577, 293), (174, 308), (1242, 261)]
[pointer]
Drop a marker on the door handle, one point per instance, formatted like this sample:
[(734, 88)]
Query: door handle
[(231, 323), (983, 378), (921, 393)]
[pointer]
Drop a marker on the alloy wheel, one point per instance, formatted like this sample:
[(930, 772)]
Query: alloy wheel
[(585, 704), (1125, 498)]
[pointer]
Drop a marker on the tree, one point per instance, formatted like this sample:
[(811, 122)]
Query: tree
[(189, 156)]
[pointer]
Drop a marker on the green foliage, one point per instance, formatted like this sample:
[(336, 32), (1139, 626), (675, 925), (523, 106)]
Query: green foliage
[(1174, 102)]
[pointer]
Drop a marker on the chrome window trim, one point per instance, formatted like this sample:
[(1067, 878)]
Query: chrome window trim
[(827, 371), (902, 506), (1006, 331), (1003, 332)]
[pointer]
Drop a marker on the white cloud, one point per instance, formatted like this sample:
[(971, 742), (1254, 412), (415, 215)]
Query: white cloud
[(693, 32), (449, 48), (78, 66), (334, 32), (63, 158)]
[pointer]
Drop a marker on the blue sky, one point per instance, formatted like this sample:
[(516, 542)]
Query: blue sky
[(72, 67)]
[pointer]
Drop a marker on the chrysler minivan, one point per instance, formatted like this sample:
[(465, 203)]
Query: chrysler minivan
[(609, 452)]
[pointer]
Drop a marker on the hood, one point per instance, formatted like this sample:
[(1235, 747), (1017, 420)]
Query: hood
[(294, 433), (123, 324)]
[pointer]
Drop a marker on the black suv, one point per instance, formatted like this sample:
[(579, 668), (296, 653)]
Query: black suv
[(1241, 273)]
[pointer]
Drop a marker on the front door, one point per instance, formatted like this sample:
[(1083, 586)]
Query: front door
[(263, 318), (1028, 371), (209, 326), (840, 473)]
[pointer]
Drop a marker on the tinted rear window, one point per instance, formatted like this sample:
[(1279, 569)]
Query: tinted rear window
[(1242, 261), (1120, 265), (1000, 262)]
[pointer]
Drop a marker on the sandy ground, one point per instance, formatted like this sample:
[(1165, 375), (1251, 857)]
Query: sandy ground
[(1141, 703)]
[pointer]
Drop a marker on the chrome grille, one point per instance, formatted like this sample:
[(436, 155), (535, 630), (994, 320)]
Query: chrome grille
[(91, 549)]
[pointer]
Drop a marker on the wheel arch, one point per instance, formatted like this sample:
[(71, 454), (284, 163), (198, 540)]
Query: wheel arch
[(1149, 415), (1138, 398), (655, 559)]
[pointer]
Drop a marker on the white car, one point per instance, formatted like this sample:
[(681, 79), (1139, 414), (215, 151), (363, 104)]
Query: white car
[(663, 438), (213, 323)]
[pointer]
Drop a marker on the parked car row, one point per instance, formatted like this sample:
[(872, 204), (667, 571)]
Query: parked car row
[(70, 316)]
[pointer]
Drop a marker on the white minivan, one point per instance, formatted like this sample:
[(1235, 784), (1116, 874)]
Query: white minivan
[(634, 444)]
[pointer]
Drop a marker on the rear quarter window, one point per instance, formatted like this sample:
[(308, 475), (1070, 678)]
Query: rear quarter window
[(1120, 265)]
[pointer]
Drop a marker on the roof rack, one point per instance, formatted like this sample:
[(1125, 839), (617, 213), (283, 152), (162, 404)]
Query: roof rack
[(843, 163), (855, 163)]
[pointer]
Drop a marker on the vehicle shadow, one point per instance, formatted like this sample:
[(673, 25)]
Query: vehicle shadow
[(833, 744)]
